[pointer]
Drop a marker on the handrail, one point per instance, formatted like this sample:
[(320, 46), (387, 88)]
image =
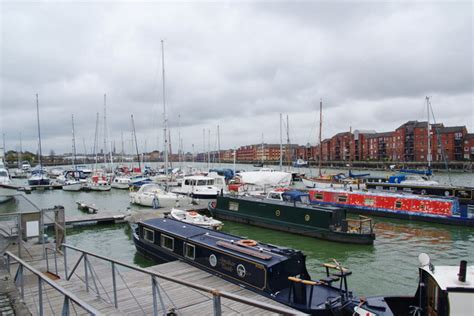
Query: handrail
[(214, 292), (57, 287)]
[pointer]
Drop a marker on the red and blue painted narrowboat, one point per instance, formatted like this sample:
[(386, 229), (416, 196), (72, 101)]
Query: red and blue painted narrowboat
[(398, 205)]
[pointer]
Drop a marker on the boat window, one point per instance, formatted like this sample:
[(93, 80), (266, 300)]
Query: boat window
[(378, 187), (233, 206), (369, 201), (318, 196), (274, 196), (189, 251), (187, 182), (3, 174), (304, 199), (342, 198), (201, 182), (407, 189), (148, 235), (393, 189), (167, 242), (398, 204)]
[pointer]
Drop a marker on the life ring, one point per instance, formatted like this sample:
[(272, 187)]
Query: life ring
[(192, 213), (247, 242)]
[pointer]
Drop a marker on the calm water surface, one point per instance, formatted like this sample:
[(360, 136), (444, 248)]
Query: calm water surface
[(387, 267)]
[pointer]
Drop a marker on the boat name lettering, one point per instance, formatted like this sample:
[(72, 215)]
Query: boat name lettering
[(227, 264)]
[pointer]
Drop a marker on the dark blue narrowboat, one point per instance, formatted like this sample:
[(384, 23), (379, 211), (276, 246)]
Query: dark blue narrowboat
[(275, 272)]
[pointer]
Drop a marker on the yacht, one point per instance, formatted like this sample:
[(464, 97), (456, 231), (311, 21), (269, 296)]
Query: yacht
[(198, 187)]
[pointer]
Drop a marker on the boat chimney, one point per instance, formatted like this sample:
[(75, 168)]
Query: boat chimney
[(462, 271)]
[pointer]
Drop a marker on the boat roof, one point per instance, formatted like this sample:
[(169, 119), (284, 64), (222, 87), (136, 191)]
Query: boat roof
[(198, 178), (447, 277), (211, 238)]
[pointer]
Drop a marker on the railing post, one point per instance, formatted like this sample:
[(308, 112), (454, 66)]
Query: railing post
[(8, 263), (47, 259), (65, 310), (40, 295), (22, 285), (216, 298), (114, 283), (86, 276), (55, 261), (65, 262), (155, 303)]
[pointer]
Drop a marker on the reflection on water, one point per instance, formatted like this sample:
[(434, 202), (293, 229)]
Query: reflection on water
[(387, 267)]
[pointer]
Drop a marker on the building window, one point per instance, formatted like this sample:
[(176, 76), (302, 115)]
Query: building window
[(189, 251), (342, 198), (398, 204), (167, 242), (148, 235)]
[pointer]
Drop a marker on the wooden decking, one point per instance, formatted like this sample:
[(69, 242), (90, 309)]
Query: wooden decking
[(134, 291)]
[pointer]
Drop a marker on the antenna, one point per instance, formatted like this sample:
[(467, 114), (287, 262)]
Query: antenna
[(73, 143), (39, 133)]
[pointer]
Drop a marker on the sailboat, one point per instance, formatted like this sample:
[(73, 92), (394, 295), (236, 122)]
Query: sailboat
[(326, 181), (98, 180), (72, 183), (38, 175)]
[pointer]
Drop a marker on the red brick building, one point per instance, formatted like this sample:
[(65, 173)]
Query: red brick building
[(469, 147)]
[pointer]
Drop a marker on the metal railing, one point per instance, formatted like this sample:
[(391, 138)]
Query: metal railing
[(90, 275), (68, 296)]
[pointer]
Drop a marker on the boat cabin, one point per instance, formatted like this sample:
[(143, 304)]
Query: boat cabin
[(442, 291)]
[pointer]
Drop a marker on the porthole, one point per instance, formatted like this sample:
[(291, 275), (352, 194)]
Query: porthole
[(277, 212), (307, 217), (241, 270), (213, 260)]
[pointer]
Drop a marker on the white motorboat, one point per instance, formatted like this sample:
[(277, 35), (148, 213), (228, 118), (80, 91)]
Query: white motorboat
[(152, 195), (193, 217), (121, 182), (198, 187), (73, 185), (7, 192), (39, 176)]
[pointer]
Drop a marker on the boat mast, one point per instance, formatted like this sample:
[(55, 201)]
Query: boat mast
[(288, 150), (136, 143), (105, 130), (218, 146), (20, 154), (122, 151), (320, 134), (165, 120), (208, 149), (179, 142), (39, 134), (96, 139), (428, 131), (73, 143), (281, 144), (263, 152)]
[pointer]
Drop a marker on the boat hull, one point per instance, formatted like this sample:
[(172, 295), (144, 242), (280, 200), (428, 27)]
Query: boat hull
[(307, 221), (72, 187)]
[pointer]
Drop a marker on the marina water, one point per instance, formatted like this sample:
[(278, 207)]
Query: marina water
[(387, 267)]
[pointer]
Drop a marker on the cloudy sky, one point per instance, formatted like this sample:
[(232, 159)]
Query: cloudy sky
[(234, 64)]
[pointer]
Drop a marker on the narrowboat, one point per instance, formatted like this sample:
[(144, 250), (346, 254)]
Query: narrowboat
[(397, 184), (442, 291), (397, 205), (275, 272), (324, 222)]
